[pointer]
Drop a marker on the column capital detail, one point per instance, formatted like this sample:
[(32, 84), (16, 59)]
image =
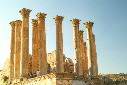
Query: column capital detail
[(58, 19), (41, 15), (34, 22), (25, 12), (12, 23), (75, 22), (18, 22), (89, 24)]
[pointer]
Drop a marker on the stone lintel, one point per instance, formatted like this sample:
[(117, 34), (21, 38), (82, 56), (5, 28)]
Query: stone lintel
[(25, 12)]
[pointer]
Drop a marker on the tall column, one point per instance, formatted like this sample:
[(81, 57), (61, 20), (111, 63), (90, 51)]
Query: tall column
[(35, 45), (59, 45), (83, 55), (12, 50), (17, 48), (75, 23), (85, 60), (42, 43), (81, 50), (95, 67), (24, 42), (91, 56)]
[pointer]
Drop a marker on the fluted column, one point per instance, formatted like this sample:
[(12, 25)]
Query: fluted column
[(59, 45), (17, 48), (75, 23), (42, 43), (24, 42), (91, 56), (12, 50), (35, 46)]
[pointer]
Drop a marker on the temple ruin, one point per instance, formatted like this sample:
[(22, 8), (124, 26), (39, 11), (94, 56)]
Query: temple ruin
[(25, 65)]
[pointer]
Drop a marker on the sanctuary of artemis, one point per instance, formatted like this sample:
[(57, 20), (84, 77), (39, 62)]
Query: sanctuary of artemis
[(25, 65)]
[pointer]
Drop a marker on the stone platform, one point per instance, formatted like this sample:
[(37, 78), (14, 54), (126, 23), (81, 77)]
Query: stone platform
[(50, 79)]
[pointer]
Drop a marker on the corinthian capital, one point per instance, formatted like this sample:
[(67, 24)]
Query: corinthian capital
[(18, 22), (12, 24), (75, 22), (58, 19), (41, 15), (89, 25), (34, 23), (25, 12)]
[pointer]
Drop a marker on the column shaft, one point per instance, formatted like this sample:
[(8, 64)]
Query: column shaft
[(91, 55), (12, 50), (17, 48), (24, 42), (35, 47), (85, 60), (95, 65), (78, 67), (59, 45), (42, 43)]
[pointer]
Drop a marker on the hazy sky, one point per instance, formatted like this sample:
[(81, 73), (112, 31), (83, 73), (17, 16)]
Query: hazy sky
[(110, 27)]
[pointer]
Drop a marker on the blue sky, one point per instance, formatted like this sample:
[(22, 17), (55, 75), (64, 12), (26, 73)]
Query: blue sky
[(110, 27)]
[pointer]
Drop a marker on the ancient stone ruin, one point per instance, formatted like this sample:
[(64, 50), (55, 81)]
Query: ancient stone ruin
[(51, 65)]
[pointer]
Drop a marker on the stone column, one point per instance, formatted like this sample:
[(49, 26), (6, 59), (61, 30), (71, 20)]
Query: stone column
[(12, 50), (95, 67), (42, 43), (81, 50), (85, 61), (24, 42), (18, 24), (35, 46), (75, 23), (59, 45), (91, 56)]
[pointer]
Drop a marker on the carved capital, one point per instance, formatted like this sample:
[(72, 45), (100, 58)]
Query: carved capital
[(89, 25), (41, 15), (75, 22), (58, 19), (25, 12), (12, 25), (18, 22), (34, 22)]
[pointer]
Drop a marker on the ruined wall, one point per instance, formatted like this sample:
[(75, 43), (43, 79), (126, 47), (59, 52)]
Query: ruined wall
[(49, 79), (68, 63)]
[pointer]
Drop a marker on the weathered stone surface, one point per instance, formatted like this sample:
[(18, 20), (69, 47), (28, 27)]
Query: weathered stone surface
[(12, 49), (83, 56), (35, 46), (68, 63), (42, 43), (17, 48), (59, 45), (91, 48), (24, 42), (78, 66)]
